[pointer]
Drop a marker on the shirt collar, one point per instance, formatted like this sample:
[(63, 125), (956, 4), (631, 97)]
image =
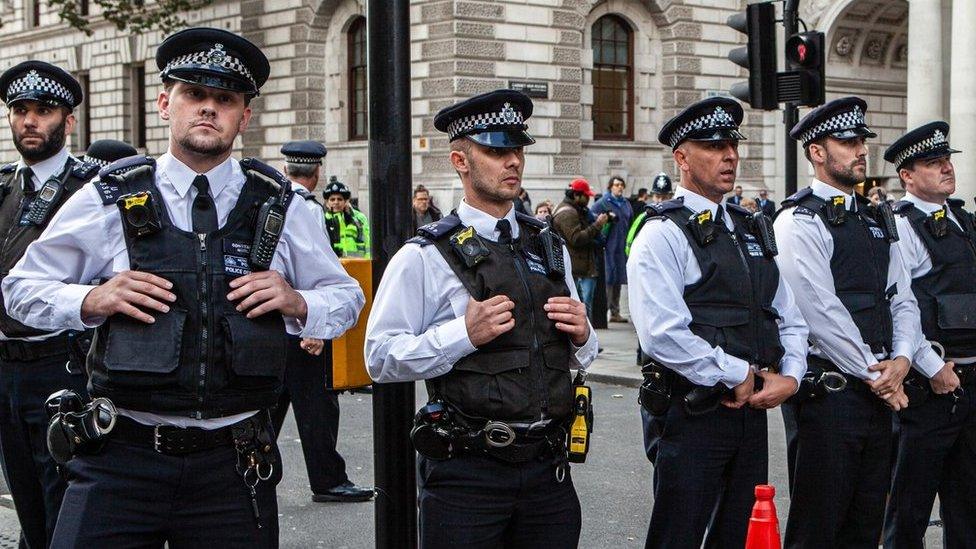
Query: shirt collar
[(181, 176), (698, 203), (927, 207), (826, 192), (484, 223), (47, 168)]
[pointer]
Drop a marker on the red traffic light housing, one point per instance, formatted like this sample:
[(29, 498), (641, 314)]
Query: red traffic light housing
[(804, 81)]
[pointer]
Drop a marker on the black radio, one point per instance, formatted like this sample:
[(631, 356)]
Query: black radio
[(267, 232), (43, 204)]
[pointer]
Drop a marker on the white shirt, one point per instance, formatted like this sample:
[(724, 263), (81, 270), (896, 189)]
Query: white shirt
[(84, 242), (805, 249), (416, 326), (312, 206), (661, 265), (43, 170)]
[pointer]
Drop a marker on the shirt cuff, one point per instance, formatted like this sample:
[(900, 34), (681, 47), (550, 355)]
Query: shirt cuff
[(736, 371), (452, 339), (68, 307), (902, 349), (928, 362), (585, 354), (794, 369), (319, 323)]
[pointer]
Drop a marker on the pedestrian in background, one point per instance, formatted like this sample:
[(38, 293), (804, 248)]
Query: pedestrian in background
[(543, 210), (620, 214), (766, 205), (424, 211)]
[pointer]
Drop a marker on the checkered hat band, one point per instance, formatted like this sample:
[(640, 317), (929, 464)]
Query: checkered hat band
[(33, 81), (719, 119), (933, 143), (204, 59), (840, 122), (461, 126), (92, 160), (302, 160)]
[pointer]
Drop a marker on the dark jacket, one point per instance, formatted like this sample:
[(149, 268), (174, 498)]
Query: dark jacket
[(415, 222), (582, 236), (616, 259)]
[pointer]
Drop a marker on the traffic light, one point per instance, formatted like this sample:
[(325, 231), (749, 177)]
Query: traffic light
[(804, 80), (758, 22)]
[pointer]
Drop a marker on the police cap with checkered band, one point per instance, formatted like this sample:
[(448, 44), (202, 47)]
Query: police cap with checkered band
[(494, 119), (41, 82), (214, 58), (303, 152), (711, 119), (105, 151), (927, 141), (841, 119)]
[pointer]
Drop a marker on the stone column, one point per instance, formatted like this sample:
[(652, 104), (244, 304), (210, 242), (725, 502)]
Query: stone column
[(962, 102), (925, 62)]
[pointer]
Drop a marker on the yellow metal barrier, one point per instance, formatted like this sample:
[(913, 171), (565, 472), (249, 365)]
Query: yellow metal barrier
[(348, 367)]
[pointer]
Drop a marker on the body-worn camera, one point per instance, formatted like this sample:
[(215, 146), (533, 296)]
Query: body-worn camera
[(76, 425), (469, 247), (140, 214), (435, 431)]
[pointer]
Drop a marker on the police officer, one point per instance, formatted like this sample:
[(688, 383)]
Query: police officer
[(316, 407), (479, 306), (936, 446), (40, 98), (191, 324), (347, 227), (712, 314), (105, 151), (854, 293)]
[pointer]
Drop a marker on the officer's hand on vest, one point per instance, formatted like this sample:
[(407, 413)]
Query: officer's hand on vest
[(776, 389), (897, 400), (893, 373), (741, 393), (570, 317), (128, 293), (945, 380), (267, 291), (312, 346), (488, 319)]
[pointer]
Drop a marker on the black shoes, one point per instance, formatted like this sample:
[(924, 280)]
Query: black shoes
[(346, 492)]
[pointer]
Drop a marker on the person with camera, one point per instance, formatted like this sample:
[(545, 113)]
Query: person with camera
[(40, 100), (619, 214), (722, 334), (572, 220), (936, 443), (854, 292), (206, 263), (482, 306)]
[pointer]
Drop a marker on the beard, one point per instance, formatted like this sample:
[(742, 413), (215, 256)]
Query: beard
[(844, 175), (50, 146), (204, 146), (492, 193)]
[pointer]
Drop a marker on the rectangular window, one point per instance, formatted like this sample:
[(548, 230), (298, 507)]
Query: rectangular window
[(613, 80), (137, 105), (83, 8), (32, 11), (358, 100)]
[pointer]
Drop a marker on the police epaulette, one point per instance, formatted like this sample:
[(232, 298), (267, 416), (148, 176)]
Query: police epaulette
[(422, 241), (902, 207), (956, 202), (126, 164), (734, 208), (797, 197), (440, 228), (802, 210), (654, 210), (531, 221), (108, 191), (84, 171), (8, 168), (253, 164)]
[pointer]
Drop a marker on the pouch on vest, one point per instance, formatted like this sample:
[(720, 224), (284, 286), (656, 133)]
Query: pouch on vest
[(702, 228), (836, 210), (468, 245), (957, 311)]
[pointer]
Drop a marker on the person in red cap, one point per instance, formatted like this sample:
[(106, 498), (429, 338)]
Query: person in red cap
[(573, 220)]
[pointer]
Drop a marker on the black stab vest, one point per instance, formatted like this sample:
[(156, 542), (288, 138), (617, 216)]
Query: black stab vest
[(523, 375), (947, 293), (202, 359), (732, 304), (18, 233), (859, 266)]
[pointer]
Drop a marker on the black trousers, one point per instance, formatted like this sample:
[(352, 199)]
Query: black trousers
[(316, 413), (705, 473), (131, 496), (935, 454), (477, 502), (841, 470), (31, 474)]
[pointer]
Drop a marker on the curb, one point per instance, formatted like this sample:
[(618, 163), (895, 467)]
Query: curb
[(6, 500)]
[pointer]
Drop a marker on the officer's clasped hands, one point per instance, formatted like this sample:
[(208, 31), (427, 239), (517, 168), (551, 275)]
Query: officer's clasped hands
[(267, 291), (128, 293), (775, 390), (741, 392)]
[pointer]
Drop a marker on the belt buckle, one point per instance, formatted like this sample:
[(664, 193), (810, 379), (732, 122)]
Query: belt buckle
[(498, 434)]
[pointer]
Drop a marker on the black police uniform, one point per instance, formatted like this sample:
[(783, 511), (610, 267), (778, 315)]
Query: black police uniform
[(936, 442), (843, 438), (31, 369), (316, 407)]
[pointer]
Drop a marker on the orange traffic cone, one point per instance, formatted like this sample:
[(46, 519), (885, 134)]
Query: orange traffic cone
[(763, 524)]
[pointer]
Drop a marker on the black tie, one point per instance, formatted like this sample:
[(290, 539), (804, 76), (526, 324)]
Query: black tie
[(504, 229), (204, 210), (720, 217), (27, 181)]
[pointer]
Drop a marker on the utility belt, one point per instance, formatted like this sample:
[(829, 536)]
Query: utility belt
[(662, 386), (823, 378), (74, 344)]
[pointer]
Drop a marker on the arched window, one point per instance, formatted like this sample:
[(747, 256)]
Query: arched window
[(613, 78), (358, 100)]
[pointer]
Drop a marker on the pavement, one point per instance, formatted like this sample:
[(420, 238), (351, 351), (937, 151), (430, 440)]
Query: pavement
[(614, 485)]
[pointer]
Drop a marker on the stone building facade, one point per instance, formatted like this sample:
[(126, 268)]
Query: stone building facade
[(664, 54)]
